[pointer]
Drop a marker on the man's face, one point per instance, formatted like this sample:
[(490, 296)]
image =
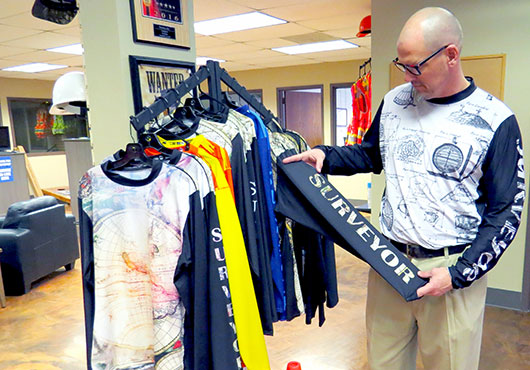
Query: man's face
[(431, 83)]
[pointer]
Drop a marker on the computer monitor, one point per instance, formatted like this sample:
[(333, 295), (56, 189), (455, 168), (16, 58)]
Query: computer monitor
[(4, 138)]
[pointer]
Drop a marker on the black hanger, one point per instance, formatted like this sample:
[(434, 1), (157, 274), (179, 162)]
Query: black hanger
[(133, 156), (227, 100)]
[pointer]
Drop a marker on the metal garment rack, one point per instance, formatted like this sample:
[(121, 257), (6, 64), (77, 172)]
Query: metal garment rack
[(215, 75)]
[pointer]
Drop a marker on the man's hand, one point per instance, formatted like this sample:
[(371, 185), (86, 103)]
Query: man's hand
[(439, 282), (313, 157)]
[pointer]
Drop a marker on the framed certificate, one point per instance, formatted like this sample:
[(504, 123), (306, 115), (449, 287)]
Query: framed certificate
[(151, 76), (163, 22)]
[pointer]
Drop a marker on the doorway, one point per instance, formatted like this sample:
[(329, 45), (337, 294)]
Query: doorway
[(300, 110)]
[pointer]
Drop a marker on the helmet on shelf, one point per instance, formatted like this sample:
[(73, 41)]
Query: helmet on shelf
[(69, 94)]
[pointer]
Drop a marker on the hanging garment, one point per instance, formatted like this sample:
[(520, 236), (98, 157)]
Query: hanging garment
[(308, 198), (59, 127), (246, 315), (361, 92), (44, 124), (238, 136), (280, 143), (135, 227), (266, 222)]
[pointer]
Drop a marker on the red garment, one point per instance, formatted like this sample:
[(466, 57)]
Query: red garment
[(362, 109), (44, 124)]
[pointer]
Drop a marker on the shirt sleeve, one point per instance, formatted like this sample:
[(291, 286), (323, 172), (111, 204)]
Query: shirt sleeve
[(501, 198), (357, 158), (87, 267)]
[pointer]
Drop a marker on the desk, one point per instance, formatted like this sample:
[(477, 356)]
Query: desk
[(62, 193)]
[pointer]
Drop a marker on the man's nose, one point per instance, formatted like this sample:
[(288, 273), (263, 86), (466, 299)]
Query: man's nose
[(409, 77)]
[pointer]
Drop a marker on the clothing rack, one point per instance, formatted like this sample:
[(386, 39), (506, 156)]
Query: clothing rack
[(215, 75), (362, 67)]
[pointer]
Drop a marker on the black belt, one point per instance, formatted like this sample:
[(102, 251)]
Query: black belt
[(417, 251)]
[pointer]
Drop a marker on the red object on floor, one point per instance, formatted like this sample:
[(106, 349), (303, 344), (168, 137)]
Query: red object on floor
[(294, 365)]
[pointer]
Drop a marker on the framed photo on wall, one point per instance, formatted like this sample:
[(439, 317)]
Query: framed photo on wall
[(151, 76), (162, 22)]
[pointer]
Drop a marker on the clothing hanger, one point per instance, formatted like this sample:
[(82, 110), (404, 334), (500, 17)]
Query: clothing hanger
[(132, 157), (228, 101)]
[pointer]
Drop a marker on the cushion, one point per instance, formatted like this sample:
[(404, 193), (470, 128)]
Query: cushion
[(19, 209)]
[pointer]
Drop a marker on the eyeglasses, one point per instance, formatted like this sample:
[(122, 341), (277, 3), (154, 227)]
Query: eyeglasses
[(415, 68)]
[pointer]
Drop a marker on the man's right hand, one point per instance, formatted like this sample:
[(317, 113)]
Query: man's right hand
[(313, 157)]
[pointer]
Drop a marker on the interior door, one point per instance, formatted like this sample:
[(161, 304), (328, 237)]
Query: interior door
[(301, 111)]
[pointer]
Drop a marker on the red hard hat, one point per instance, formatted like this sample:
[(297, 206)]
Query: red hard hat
[(365, 27)]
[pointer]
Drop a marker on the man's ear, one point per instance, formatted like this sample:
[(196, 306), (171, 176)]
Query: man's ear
[(453, 54)]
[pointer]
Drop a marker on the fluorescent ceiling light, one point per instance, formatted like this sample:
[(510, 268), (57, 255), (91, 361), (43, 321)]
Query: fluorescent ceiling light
[(316, 47), (201, 61), (76, 49), (34, 67), (236, 23)]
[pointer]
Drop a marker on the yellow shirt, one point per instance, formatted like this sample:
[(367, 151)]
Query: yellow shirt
[(246, 315)]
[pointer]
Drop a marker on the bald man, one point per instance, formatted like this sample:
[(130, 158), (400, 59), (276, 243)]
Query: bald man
[(452, 156)]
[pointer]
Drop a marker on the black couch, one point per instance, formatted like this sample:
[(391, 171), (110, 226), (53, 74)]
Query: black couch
[(37, 238)]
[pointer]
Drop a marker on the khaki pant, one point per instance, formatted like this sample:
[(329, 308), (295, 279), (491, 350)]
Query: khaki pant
[(447, 330)]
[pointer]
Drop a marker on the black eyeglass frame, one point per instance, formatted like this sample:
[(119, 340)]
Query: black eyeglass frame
[(415, 68)]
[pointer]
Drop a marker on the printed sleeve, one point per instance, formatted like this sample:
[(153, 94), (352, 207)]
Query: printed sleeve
[(358, 158), (223, 335), (87, 267), (501, 198)]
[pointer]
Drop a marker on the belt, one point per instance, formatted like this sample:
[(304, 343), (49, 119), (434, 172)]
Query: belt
[(417, 251)]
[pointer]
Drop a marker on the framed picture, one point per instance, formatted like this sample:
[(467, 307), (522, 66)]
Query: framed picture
[(162, 22), (151, 76)]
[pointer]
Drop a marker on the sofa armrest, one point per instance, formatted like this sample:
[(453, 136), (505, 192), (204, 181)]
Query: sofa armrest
[(16, 246)]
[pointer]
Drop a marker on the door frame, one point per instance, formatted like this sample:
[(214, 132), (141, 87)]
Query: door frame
[(333, 108), (280, 105)]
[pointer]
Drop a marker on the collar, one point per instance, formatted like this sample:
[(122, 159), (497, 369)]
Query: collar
[(458, 96), (122, 180)]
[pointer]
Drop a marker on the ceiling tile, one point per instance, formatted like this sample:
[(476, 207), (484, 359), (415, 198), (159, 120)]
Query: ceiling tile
[(347, 53), (209, 42), (26, 20), (232, 66), (249, 55), (362, 41), (317, 9), (36, 56), (8, 33), (277, 57), (283, 64), (270, 43), (14, 7), (43, 41), (348, 20), (234, 48), (261, 4), (74, 31), (343, 33), (210, 9), (70, 60), (6, 63), (264, 33), (6, 51)]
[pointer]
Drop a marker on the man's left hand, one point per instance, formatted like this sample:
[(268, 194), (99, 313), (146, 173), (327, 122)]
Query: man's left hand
[(439, 282)]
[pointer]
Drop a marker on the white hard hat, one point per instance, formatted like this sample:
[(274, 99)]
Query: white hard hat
[(69, 94)]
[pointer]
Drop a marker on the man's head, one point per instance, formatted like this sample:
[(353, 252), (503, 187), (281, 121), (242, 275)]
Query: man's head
[(431, 41)]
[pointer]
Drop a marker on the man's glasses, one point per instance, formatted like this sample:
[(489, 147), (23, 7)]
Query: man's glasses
[(415, 68)]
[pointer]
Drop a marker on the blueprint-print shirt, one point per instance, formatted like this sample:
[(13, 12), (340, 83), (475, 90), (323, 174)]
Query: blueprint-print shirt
[(454, 173), (136, 226)]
